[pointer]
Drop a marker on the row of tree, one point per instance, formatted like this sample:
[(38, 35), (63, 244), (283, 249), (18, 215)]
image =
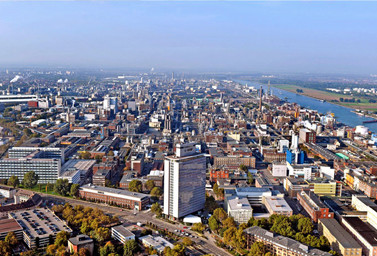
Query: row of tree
[(297, 227)]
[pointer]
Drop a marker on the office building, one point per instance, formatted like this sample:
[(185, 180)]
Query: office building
[(156, 242), (124, 198), (277, 205), (340, 240), (363, 233), (239, 209), (307, 136), (122, 234), (75, 244), (184, 181), (313, 206), (364, 204)]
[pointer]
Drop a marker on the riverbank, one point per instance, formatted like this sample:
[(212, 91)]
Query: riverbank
[(331, 97)]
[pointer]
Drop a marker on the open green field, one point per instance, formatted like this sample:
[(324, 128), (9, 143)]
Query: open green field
[(331, 97)]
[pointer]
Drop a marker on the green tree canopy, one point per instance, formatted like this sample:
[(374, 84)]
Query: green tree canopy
[(135, 186), (130, 248), (156, 192), (30, 179), (62, 187), (257, 249), (13, 181), (149, 185), (156, 209), (220, 214), (11, 239), (62, 238), (74, 189)]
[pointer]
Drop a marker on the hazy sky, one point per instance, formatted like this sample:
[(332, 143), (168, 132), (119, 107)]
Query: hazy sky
[(207, 36)]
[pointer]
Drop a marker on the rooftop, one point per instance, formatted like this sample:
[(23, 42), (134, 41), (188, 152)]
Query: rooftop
[(285, 242), (363, 229), (340, 234)]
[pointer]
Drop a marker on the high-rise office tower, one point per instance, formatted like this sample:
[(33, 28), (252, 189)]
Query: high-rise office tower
[(184, 181)]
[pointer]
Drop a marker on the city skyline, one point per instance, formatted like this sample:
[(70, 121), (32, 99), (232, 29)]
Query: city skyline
[(193, 36)]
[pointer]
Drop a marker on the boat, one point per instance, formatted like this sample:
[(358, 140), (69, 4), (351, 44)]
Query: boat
[(322, 100), (370, 121)]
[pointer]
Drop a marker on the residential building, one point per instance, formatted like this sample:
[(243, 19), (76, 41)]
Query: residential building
[(279, 245)]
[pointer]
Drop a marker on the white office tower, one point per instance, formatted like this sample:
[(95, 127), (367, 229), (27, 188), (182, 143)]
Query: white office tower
[(184, 181), (110, 103), (294, 144)]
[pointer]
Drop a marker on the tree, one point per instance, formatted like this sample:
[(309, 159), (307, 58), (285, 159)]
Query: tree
[(257, 249), (62, 238), (305, 226), (135, 186), (229, 222), (149, 185), (11, 239), (106, 250), (85, 155), (5, 249), (30, 179), (199, 227), (102, 234), (62, 187), (130, 248), (156, 192), (84, 252), (220, 214), (51, 249), (213, 224), (210, 204), (187, 241), (13, 181), (250, 178), (74, 189), (111, 153), (156, 209), (243, 167)]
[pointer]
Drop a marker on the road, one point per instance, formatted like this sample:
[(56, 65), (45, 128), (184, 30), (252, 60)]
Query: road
[(208, 246)]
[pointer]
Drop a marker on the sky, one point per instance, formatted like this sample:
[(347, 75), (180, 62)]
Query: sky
[(313, 37)]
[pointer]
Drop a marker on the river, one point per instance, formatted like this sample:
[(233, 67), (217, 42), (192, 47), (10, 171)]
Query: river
[(342, 114)]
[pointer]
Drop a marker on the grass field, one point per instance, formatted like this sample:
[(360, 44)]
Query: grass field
[(331, 96)]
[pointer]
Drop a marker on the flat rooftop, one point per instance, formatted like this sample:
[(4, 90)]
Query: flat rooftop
[(340, 234), (8, 225), (40, 222), (364, 229), (121, 192), (278, 204), (79, 164)]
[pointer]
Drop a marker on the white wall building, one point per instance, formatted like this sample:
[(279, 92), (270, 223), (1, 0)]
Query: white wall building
[(184, 182), (239, 209)]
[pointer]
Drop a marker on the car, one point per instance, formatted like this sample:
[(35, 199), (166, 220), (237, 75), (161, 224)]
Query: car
[(184, 227)]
